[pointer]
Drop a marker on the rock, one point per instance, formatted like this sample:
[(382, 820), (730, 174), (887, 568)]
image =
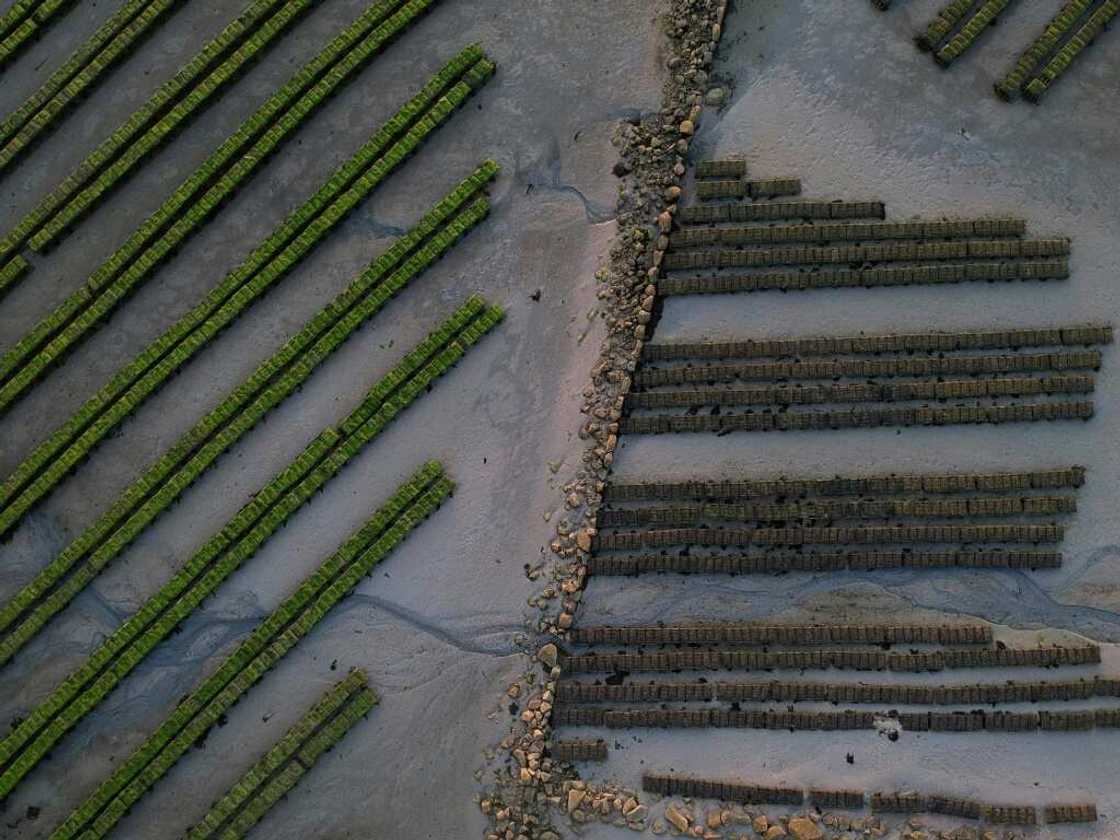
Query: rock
[(774, 832), (575, 799), (664, 221), (679, 820), (714, 820), (583, 540), (549, 655), (802, 828), (564, 621), (760, 824), (620, 169), (687, 128), (715, 96)]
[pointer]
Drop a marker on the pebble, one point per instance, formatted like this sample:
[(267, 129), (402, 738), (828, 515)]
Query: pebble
[(549, 655), (687, 128), (575, 799), (715, 96), (802, 828), (679, 820)]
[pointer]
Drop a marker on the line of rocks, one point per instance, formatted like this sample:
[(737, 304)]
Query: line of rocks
[(529, 789)]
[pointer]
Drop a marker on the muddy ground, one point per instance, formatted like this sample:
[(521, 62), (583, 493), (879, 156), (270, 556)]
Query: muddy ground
[(437, 627)]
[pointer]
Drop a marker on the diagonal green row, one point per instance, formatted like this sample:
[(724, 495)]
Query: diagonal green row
[(283, 765), (25, 20), (238, 29), (86, 67), (198, 198), (274, 380), (943, 23), (280, 252), (1066, 18), (16, 14), (221, 58), (239, 540), (976, 25), (1085, 34), (359, 42), (268, 643), (334, 190)]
